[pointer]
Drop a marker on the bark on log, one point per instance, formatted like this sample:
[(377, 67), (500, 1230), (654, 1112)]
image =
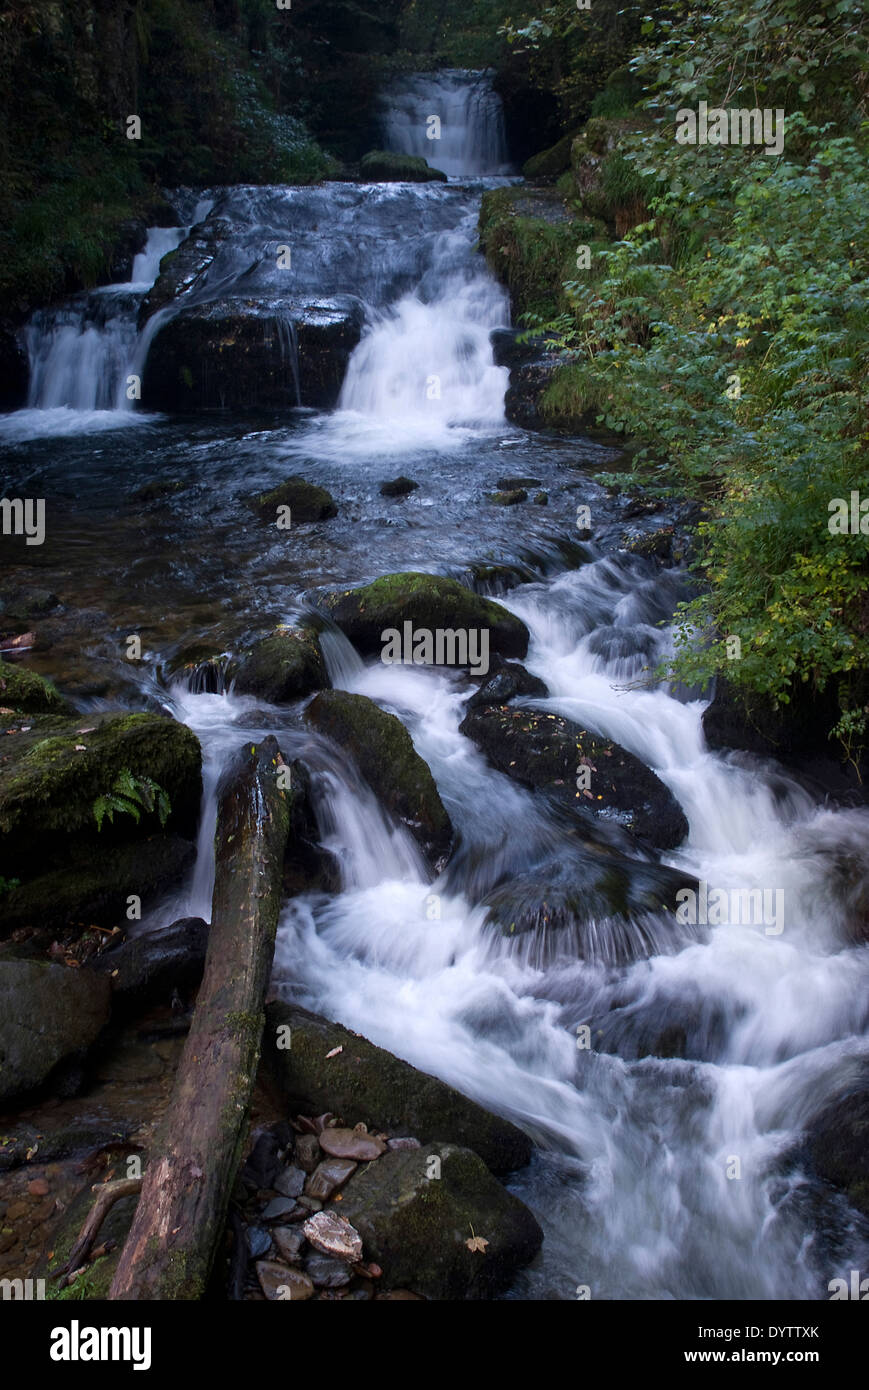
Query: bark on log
[(188, 1180)]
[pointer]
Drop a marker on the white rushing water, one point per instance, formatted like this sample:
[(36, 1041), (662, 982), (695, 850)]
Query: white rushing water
[(452, 118)]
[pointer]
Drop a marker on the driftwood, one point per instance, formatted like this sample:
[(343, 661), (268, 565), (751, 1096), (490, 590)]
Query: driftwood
[(107, 1194), (181, 1212)]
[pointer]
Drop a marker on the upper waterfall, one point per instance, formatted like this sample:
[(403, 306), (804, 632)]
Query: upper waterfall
[(453, 118)]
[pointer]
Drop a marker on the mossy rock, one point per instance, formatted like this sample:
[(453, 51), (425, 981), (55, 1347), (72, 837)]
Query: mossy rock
[(398, 487), (85, 884), (509, 498), (25, 691), (549, 163), (547, 752), (48, 1013), (366, 1084), (53, 770), (428, 601), (284, 666), (416, 1211), (306, 501), (384, 753), (383, 166)]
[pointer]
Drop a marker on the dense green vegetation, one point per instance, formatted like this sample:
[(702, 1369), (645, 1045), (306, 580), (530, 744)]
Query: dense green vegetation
[(728, 330)]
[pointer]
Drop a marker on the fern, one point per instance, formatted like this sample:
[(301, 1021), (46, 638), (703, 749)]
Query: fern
[(130, 796)]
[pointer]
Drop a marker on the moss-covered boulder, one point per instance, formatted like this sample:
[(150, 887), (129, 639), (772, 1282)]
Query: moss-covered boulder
[(384, 166), (590, 774), (838, 1144), (551, 162), (48, 1013), (366, 1084), (428, 601), (383, 751), (306, 501), (607, 185), (25, 691), (438, 1223), (284, 666)]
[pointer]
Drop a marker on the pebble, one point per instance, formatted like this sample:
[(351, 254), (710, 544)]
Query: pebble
[(326, 1272), (310, 1204), (398, 1145), (290, 1242), (331, 1174), (280, 1283), (308, 1152), (290, 1182), (351, 1143), (38, 1188), (259, 1242), (333, 1235), (279, 1206)]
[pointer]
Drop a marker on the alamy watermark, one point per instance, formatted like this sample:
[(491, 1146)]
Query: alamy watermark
[(23, 516), (439, 647), (731, 907), (713, 125)]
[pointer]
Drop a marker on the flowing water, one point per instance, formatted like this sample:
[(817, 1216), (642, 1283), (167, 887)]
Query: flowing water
[(635, 1178)]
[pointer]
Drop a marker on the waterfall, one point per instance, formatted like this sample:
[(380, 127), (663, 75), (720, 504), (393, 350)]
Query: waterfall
[(454, 119)]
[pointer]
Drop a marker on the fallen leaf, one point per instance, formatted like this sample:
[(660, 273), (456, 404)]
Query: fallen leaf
[(477, 1243)]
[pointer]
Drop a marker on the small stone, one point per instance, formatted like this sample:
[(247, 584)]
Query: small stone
[(38, 1188), (290, 1182), (308, 1152), (259, 1242), (280, 1283), (310, 1204), (289, 1242), (541, 499), (331, 1174), (398, 487), (404, 1295), (402, 1143), (509, 499), (333, 1235), (348, 1143), (326, 1272), (7, 1240), (279, 1206)]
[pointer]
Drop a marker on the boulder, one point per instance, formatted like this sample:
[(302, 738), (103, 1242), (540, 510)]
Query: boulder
[(510, 498), (26, 692), (284, 666), (509, 680), (366, 1084), (384, 753), (547, 752), (147, 968), (838, 1144), (48, 1014), (385, 166), (419, 1219), (398, 487), (243, 353), (306, 501), (429, 601)]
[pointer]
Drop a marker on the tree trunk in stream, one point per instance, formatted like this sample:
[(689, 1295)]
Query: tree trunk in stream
[(188, 1180)]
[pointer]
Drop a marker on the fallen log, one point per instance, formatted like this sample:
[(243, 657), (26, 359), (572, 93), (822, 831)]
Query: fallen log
[(187, 1183)]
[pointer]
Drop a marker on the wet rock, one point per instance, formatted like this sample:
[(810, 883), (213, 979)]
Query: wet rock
[(398, 487), (416, 1225), (596, 905), (234, 354), (510, 484), (427, 601), (351, 1143), (368, 1084), (182, 268), (333, 1235), (329, 1177), (148, 968), (401, 1144), (509, 499), (383, 751), (327, 1273), (310, 1204), (48, 1014), (283, 667), (290, 1182), (656, 544), (837, 1144), (290, 1242), (28, 692), (281, 1283), (529, 382), (308, 1152), (547, 753), (509, 681), (541, 499), (307, 501), (385, 166)]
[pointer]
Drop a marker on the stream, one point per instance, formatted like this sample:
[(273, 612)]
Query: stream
[(633, 1181)]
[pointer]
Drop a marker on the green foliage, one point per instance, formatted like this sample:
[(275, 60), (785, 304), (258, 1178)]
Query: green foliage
[(730, 334), (130, 796), (7, 884)]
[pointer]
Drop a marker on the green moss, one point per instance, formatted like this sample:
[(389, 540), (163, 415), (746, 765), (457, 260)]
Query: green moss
[(383, 166), (24, 690)]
